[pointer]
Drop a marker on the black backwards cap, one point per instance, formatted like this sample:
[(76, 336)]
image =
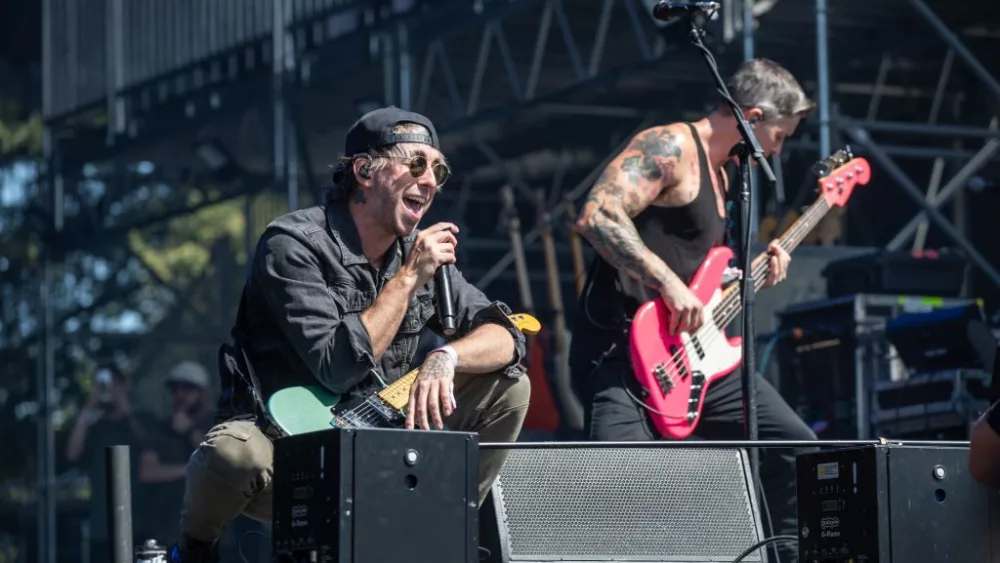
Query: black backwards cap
[(374, 131)]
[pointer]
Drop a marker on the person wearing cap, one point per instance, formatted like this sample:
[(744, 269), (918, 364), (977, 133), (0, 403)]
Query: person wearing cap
[(163, 460), (108, 418), (338, 295)]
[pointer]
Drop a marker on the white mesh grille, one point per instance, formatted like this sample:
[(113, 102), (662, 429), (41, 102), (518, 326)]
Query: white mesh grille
[(666, 505)]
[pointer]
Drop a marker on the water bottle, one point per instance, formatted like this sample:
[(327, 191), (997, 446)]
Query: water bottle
[(150, 552)]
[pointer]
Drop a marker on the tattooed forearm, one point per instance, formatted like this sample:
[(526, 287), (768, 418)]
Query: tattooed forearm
[(486, 349), (629, 185), (614, 237)]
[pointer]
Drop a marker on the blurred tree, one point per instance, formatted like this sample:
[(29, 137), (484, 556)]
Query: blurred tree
[(180, 251), (20, 137)]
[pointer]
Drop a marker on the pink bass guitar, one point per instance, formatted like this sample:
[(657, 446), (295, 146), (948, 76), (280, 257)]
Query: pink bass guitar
[(677, 370)]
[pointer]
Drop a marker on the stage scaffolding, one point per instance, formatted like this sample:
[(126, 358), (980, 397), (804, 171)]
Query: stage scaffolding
[(531, 95)]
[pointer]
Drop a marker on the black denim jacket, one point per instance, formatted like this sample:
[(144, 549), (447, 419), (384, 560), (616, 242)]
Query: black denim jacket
[(299, 316)]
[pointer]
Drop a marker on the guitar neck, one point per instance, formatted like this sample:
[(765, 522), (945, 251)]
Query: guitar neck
[(760, 267), (791, 239), (517, 249), (397, 395), (551, 271)]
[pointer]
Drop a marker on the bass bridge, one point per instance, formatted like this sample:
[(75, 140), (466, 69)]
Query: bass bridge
[(694, 402), (663, 378)]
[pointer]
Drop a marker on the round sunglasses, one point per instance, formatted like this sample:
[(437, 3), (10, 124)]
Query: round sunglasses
[(418, 166)]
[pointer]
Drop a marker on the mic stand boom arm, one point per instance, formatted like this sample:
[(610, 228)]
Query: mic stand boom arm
[(749, 148)]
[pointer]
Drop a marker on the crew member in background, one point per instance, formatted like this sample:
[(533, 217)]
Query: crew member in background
[(106, 420), (163, 463), (652, 217), (337, 295), (984, 446)]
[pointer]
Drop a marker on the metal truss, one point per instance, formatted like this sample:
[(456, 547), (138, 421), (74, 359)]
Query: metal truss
[(533, 76), (549, 63), (860, 131)]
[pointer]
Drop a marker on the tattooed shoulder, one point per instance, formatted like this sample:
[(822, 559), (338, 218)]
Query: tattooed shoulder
[(653, 155), (638, 176)]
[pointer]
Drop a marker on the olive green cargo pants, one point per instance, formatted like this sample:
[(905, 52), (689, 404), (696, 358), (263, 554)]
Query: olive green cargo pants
[(230, 472)]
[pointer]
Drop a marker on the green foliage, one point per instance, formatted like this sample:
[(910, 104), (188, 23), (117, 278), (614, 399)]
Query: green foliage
[(184, 251), (21, 131), (21, 137)]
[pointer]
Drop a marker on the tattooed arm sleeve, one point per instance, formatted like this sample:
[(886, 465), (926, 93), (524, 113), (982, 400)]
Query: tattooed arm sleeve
[(630, 183)]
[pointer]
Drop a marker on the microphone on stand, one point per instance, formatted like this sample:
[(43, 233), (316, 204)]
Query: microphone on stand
[(445, 304), (669, 11)]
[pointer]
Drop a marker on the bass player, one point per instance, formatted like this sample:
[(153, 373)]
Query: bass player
[(652, 217), (338, 295)]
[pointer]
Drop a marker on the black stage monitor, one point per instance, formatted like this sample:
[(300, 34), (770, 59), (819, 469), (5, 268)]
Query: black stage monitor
[(943, 339)]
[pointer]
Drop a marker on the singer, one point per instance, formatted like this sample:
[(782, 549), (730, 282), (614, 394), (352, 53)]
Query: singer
[(652, 217), (339, 294)]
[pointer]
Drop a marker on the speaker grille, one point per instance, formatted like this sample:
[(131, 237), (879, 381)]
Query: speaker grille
[(627, 505)]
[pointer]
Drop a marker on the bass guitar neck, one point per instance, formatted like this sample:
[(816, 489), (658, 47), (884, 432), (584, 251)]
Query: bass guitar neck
[(760, 266)]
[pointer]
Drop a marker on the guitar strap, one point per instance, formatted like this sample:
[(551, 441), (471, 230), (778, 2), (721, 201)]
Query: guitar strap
[(621, 320), (235, 363)]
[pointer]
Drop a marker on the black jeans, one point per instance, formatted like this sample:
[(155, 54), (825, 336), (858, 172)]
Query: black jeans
[(610, 414)]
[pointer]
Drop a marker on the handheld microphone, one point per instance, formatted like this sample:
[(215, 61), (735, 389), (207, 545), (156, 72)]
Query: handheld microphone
[(445, 304), (669, 11)]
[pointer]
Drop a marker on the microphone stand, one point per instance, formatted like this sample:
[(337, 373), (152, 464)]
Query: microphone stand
[(749, 148)]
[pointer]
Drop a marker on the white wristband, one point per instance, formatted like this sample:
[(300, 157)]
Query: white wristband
[(451, 353)]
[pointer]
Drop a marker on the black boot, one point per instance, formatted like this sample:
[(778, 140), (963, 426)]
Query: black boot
[(190, 550)]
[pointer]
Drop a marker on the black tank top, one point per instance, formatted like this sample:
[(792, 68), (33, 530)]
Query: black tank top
[(680, 236)]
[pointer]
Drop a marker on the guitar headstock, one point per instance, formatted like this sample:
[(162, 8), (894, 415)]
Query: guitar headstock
[(526, 323), (839, 173)]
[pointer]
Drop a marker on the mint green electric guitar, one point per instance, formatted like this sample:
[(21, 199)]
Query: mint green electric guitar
[(297, 410)]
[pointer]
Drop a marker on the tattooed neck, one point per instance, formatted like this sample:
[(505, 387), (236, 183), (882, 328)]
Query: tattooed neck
[(359, 196)]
